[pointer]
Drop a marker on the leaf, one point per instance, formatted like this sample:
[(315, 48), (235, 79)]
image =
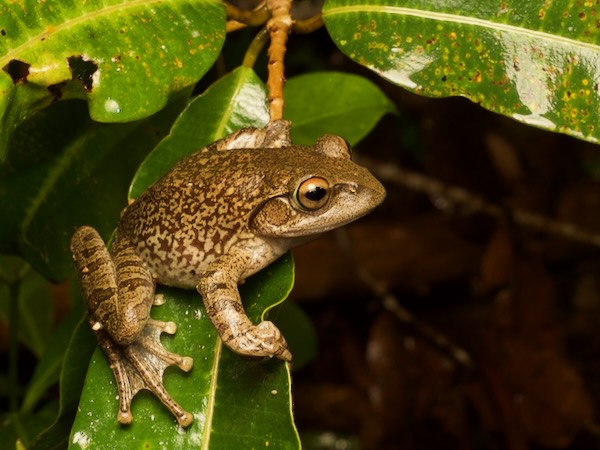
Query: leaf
[(535, 61), (67, 171), (221, 383), (299, 333), (76, 361), (35, 311), (125, 57), (235, 101), (236, 403), (47, 371), (332, 102), (18, 429)]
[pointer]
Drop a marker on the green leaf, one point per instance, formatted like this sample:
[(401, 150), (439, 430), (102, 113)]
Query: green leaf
[(235, 101), (67, 171), (236, 403), (125, 57), (221, 383), (299, 333), (334, 103), (47, 371), (72, 374), (535, 61), (36, 311), (22, 427)]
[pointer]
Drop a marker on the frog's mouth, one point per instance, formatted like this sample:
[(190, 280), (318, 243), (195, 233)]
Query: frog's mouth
[(280, 217)]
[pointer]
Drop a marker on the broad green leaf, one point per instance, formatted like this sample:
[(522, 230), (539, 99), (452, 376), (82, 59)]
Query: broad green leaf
[(23, 427), (72, 374), (35, 311), (299, 333), (235, 101), (126, 57), (335, 103), (236, 403), (221, 383), (67, 171), (535, 61), (47, 371)]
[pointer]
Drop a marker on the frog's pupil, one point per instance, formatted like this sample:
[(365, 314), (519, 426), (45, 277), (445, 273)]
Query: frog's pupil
[(315, 193)]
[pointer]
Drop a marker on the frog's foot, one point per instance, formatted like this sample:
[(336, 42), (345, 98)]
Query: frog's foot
[(141, 365), (263, 339)]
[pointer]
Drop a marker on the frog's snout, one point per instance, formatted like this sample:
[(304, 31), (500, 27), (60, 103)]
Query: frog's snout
[(373, 188)]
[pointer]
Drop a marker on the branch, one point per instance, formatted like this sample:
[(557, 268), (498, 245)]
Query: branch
[(279, 27), (476, 203)]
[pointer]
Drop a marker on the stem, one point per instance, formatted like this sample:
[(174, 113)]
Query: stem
[(308, 25), (13, 360), (279, 27), (233, 25), (255, 47), (475, 203), (258, 16)]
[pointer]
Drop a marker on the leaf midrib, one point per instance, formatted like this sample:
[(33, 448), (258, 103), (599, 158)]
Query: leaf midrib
[(463, 20), (212, 396)]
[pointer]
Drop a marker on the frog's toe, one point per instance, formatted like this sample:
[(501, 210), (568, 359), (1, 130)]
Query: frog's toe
[(264, 339), (141, 365), (273, 341), (125, 417), (150, 340)]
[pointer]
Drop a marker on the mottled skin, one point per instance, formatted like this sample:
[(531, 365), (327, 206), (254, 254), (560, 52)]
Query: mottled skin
[(219, 216)]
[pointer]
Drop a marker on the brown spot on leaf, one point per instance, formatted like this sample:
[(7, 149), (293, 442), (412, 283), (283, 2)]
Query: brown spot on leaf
[(17, 70), (83, 70)]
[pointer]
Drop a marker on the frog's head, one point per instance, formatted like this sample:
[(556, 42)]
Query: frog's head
[(325, 190)]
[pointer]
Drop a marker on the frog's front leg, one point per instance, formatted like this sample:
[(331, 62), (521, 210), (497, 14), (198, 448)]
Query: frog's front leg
[(119, 294), (219, 289)]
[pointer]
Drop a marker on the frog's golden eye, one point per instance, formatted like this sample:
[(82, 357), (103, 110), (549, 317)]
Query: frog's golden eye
[(312, 193)]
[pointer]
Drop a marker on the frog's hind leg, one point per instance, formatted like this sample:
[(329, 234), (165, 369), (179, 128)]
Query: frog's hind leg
[(119, 296)]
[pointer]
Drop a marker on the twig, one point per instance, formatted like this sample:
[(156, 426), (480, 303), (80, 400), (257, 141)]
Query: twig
[(453, 194), (279, 27), (390, 302), (257, 16), (255, 47), (233, 25), (307, 25)]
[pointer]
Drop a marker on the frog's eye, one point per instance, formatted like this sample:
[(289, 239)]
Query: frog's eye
[(312, 193)]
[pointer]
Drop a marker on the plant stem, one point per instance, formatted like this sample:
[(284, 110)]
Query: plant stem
[(279, 27), (258, 16), (255, 47), (308, 25)]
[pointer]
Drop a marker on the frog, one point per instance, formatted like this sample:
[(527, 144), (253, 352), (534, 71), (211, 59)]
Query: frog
[(214, 219)]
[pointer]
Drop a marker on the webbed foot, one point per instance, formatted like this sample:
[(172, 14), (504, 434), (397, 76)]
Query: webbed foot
[(263, 339), (141, 365)]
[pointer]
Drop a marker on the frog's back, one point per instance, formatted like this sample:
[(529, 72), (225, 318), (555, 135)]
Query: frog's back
[(195, 213), (205, 205)]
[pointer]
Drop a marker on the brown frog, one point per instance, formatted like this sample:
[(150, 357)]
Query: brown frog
[(217, 217)]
